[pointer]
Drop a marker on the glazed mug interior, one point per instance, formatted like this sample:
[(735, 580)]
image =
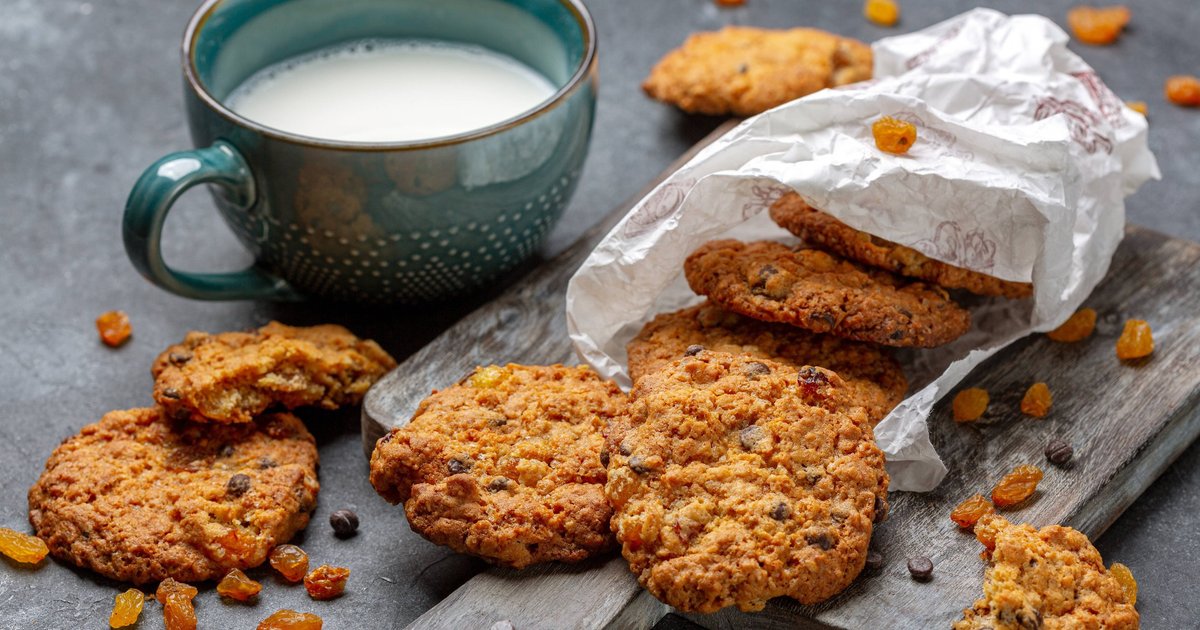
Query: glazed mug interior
[(371, 221)]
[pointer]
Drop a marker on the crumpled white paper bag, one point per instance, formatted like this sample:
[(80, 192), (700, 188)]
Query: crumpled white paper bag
[(1021, 165)]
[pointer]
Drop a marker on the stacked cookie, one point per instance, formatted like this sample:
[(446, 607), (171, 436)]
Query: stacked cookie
[(747, 467), (506, 464), (210, 479), (741, 467)]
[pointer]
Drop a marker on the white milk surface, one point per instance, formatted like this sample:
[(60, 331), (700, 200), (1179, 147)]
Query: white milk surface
[(390, 91)]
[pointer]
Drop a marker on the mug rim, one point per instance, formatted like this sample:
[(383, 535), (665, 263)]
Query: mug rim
[(582, 72)]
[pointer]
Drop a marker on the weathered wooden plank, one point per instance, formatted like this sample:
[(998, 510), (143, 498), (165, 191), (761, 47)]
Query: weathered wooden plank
[(1127, 423), (580, 596)]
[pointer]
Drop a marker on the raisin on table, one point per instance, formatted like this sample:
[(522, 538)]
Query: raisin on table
[(967, 513), (882, 12), (127, 607), (237, 585), (1136, 340), (290, 620), (1098, 26), (1037, 401), (114, 328), (1125, 578), (290, 561), (22, 547), (969, 404), (1183, 90), (326, 582), (1078, 327), (176, 599), (1016, 486)]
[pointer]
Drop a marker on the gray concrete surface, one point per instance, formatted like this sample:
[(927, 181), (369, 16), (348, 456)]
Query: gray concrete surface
[(90, 94)]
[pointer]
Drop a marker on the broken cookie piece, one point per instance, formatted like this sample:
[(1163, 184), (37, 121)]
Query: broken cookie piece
[(234, 376)]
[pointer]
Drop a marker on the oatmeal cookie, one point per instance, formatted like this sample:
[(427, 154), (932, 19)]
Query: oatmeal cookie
[(740, 479), (744, 71), (821, 230), (1052, 578), (139, 497), (234, 376), (876, 379), (823, 293), (506, 465)]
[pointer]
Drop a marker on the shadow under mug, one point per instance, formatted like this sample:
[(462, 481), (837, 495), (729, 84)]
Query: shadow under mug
[(370, 222)]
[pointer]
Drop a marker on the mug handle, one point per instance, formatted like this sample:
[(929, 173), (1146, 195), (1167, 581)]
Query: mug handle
[(146, 211)]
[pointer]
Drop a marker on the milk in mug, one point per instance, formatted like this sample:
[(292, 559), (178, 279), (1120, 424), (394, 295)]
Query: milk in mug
[(390, 91)]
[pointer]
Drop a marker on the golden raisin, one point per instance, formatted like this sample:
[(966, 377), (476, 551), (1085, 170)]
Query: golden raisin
[(290, 620), (487, 377), (237, 585), (970, 404), (127, 608), (882, 12), (967, 513), (1138, 106), (114, 328), (894, 136), (290, 561), (1078, 326), (1016, 486), (1097, 26), (176, 600), (22, 547), (1037, 401), (326, 582), (986, 529), (1125, 579), (1136, 341), (1183, 90)]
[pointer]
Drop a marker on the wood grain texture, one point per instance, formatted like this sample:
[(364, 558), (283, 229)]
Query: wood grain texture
[(1127, 422)]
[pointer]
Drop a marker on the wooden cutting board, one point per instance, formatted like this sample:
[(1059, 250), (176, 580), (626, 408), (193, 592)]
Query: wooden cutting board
[(1127, 422)]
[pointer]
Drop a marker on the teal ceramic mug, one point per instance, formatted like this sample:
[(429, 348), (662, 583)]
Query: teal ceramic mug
[(370, 222)]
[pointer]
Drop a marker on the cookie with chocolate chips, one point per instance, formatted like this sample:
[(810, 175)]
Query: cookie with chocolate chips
[(738, 479), (744, 71), (234, 376), (870, 372), (821, 230), (822, 293), (506, 465), (139, 497)]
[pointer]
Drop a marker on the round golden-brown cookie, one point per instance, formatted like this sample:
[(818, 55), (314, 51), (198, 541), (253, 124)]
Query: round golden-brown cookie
[(1052, 578), (138, 497), (506, 465), (820, 292), (745, 71), (821, 230), (875, 378), (234, 376), (740, 479)]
